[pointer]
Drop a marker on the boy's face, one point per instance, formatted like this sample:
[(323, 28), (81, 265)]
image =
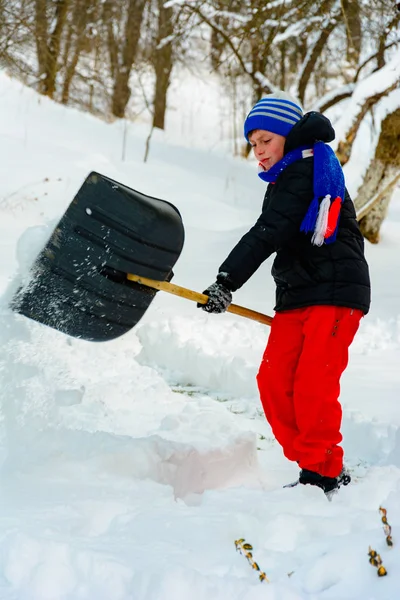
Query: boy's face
[(268, 147)]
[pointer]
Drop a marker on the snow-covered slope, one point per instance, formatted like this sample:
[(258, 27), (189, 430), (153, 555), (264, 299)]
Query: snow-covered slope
[(129, 468)]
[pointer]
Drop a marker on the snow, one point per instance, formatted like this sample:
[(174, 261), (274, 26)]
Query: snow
[(129, 468)]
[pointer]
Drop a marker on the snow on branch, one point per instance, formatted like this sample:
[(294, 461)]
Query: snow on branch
[(295, 29), (172, 3), (225, 14), (211, 13), (333, 97), (265, 82), (275, 4), (165, 41), (374, 56)]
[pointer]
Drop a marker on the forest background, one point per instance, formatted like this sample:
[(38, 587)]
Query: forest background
[(119, 58)]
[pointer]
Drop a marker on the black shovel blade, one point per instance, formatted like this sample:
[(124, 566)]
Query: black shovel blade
[(108, 228)]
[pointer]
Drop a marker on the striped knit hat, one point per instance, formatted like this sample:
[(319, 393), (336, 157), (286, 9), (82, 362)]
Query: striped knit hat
[(277, 112)]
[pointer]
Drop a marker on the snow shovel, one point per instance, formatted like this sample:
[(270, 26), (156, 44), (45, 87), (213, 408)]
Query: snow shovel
[(113, 248)]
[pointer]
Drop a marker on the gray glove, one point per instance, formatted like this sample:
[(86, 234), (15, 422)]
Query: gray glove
[(219, 295)]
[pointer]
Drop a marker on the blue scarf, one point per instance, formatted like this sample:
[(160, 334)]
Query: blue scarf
[(322, 217)]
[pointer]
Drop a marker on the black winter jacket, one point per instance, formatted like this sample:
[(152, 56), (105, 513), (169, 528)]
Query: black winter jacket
[(305, 275)]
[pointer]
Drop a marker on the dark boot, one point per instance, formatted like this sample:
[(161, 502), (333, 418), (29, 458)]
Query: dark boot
[(327, 484)]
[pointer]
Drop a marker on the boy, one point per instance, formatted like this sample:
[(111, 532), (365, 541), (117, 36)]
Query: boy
[(322, 283)]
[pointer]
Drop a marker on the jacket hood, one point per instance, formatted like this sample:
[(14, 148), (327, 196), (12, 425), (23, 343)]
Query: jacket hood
[(313, 127)]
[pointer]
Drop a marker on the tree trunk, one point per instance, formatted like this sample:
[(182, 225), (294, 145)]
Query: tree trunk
[(380, 59), (162, 63), (41, 40), (121, 91), (313, 55), (70, 72), (48, 44), (381, 172), (54, 47), (217, 44), (108, 17), (81, 18)]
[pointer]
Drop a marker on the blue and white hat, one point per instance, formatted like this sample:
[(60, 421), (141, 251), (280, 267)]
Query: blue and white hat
[(277, 112)]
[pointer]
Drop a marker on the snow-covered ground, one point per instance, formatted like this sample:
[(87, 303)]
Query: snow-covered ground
[(129, 468)]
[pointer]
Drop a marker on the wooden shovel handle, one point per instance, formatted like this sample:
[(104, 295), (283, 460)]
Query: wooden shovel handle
[(177, 290)]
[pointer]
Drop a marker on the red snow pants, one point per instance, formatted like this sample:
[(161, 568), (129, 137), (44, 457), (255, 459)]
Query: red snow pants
[(298, 380)]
